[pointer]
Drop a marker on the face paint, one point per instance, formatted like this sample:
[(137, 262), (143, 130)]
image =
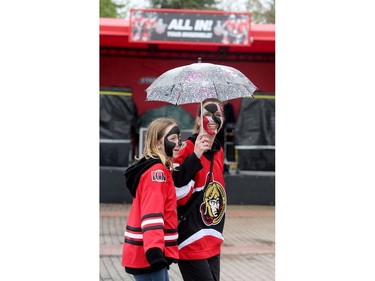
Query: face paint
[(209, 117), (168, 145)]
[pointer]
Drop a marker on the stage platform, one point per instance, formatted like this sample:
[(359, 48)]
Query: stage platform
[(243, 187)]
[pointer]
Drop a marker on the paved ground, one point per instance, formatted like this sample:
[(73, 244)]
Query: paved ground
[(248, 252)]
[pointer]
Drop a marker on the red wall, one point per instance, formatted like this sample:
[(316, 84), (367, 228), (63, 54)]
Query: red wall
[(129, 71)]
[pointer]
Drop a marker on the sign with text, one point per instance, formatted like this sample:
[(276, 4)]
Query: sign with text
[(189, 26)]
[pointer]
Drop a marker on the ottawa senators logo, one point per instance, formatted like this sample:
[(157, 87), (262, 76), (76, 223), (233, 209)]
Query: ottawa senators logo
[(214, 205), (158, 175)]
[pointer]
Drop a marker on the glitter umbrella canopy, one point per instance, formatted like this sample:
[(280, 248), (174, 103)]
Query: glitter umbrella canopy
[(198, 81)]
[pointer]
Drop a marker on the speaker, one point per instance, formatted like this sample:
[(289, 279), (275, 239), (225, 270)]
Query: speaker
[(256, 160), (114, 154)]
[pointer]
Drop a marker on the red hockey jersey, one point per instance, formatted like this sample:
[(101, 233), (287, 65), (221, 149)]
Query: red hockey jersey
[(152, 221), (200, 234)]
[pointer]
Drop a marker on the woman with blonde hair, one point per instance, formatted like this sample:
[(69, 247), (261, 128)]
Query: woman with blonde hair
[(150, 244), (201, 196)]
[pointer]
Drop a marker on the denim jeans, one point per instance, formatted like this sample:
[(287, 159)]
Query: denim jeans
[(161, 275)]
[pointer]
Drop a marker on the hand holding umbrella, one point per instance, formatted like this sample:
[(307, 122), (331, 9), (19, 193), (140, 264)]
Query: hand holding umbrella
[(202, 144)]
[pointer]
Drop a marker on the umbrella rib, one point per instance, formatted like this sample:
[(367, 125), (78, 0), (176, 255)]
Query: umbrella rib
[(179, 95), (251, 93), (170, 92)]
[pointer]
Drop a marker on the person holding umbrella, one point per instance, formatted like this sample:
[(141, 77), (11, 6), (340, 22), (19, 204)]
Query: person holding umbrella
[(201, 196), (199, 167), (150, 244)]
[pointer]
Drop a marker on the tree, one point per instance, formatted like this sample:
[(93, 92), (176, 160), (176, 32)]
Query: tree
[(110, 9), (184, 4), (262, 11)]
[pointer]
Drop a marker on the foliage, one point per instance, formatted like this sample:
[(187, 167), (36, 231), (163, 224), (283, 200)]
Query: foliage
[(184, 4), (262, 11), (109, 9)]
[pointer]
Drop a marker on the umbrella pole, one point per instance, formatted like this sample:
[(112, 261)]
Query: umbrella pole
[(201, 130)]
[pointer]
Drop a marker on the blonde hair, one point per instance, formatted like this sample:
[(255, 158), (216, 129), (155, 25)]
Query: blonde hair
[(197, 124), (155, 131)]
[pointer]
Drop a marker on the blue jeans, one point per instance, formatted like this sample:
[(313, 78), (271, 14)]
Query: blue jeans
[(161, 275)]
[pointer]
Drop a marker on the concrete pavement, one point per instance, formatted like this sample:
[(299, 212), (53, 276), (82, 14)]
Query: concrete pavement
[(248, 252)]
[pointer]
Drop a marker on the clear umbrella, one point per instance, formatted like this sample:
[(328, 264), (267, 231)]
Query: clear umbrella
[(198, 81)]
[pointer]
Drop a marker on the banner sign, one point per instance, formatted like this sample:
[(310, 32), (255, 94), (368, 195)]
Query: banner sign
[(189, 26)]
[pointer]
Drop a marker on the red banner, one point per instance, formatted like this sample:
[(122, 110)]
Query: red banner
[(189, 26)]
